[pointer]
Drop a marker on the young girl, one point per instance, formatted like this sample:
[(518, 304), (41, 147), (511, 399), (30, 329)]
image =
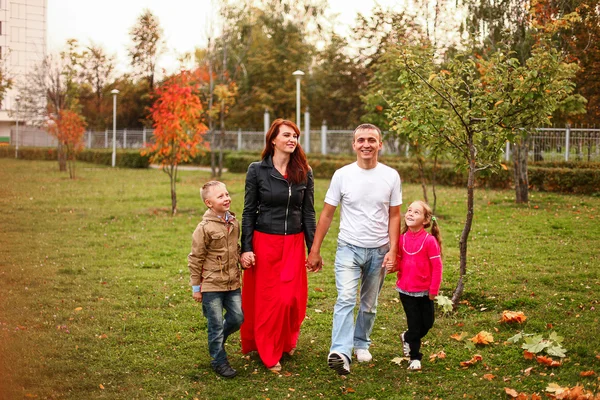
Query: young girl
[(419, 276)]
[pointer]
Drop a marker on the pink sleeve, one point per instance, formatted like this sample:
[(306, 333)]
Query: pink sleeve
[(435, 261)]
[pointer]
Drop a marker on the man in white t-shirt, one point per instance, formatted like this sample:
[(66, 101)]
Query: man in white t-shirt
[(370, 196)]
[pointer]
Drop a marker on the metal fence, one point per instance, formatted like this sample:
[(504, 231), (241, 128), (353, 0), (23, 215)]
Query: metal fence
[(550, 144)]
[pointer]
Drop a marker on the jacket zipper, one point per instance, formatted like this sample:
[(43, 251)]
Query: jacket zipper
[(287, 207)]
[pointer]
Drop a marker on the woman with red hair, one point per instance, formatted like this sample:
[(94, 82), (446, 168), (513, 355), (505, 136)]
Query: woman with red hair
[(277, 221)]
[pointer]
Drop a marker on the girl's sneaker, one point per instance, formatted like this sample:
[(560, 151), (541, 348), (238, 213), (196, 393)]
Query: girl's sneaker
[(405, 346), (415, 365)]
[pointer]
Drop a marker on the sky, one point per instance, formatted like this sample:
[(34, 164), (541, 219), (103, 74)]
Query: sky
[(107, 23)]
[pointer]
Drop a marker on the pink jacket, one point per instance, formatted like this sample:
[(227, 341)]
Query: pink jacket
[(420, 263)]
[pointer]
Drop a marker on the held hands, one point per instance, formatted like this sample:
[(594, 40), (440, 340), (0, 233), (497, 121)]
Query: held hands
[(314, 262), (247, 259), (389, 262)]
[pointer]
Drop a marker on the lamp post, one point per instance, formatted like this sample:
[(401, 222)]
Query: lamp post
[(17, 100), (298, 74), (114, 92)]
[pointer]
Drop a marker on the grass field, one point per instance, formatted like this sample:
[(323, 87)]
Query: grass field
[(95, 301)]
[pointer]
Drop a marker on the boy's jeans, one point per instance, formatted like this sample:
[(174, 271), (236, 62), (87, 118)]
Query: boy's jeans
[(219, 326), (351, 264)]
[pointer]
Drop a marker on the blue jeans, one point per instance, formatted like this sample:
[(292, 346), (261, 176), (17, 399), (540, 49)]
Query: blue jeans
[(219, 326), (353, 263)]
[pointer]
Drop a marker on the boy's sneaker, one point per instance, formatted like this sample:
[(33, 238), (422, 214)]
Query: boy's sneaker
[(225, 370), (415, 365), (405, 346), (339, 363), (363, 355)]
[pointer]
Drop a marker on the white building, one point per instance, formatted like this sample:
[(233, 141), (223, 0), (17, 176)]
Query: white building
[(23, 37)]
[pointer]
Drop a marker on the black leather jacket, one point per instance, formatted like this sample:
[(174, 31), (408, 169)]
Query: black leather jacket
[(273, 205)]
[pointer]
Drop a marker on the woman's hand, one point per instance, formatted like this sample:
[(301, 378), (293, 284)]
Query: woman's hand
[(247, 259)]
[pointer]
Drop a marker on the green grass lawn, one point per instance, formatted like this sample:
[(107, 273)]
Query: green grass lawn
[(95, 301)]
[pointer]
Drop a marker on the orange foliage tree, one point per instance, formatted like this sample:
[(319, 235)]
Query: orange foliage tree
[(178, 130), (68, 128)]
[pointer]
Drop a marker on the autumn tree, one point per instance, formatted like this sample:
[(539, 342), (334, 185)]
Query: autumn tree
[(68, 128), (50, 87), (471, 106), (148, 45), (178, 132), (97, 73)]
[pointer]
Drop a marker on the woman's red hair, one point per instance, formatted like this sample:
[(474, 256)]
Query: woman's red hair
[(298, 166)]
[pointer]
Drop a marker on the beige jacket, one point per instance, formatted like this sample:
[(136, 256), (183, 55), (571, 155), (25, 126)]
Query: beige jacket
[(214, 259)]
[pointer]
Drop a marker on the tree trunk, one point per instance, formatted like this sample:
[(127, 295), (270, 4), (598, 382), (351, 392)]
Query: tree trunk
[(520, 151), (62, 157), (213, 156), (221, 136), (433, 206), (421, 165), (173, 176), (464, 237)]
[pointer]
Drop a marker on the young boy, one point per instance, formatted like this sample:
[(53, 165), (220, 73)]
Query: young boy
[(215, 275)]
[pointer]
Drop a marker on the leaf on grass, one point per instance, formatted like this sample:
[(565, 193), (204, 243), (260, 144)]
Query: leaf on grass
[(79, 309), (472, 361), (528, 355), (489, 377), (318, 289), (510, 317), (527, 371), (318, 311), (556, 351), (459, 336), (511, 392), (536, 396), (398, 360), (445, 303), (555, 388), (547, 361), (535, 344), (587, 373), (516, 338), (440, 355), (101, 386), (555, 338), (482, 337)]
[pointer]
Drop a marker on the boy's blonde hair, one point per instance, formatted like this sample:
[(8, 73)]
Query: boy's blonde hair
[(207, 187)]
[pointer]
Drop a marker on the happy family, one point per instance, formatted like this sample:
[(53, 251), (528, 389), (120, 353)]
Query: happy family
[(278, 221)]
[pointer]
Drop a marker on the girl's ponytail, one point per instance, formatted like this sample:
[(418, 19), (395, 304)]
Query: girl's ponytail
[(435, 232)]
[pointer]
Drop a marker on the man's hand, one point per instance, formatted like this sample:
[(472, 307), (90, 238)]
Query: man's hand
[(197, 296), (314, 262)]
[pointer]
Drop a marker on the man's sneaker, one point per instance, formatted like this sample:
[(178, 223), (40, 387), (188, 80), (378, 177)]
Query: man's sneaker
[(363, 355), (225, 370), (339, 363), (415, 365), (405, 346)]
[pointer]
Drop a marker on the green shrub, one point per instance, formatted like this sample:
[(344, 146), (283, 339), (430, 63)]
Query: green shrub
[(576, 180)]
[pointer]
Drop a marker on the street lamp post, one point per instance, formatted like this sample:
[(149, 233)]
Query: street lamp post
[(17, 99), (298, 74), (114, 92)]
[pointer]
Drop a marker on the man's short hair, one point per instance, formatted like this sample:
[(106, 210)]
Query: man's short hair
[(367, 127), (207, 187)]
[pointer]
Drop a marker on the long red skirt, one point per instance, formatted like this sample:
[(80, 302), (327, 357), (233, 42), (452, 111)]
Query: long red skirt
[(274, 296)]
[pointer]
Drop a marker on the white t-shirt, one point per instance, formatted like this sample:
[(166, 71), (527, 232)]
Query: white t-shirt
[(365, 196)]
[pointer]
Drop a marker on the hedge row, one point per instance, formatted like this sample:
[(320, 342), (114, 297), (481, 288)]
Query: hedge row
[(125, 158), (575, 180), (566, 177)]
